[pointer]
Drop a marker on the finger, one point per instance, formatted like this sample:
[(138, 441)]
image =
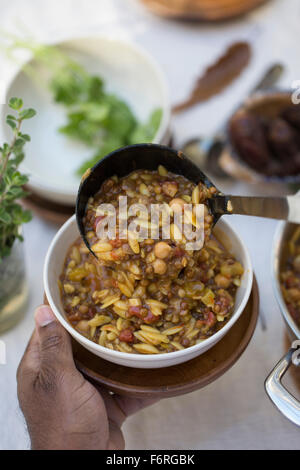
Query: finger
[(119, 407), (30, 362), (129, 406), (116, 438), (116, 417), (54, 341), (114, 411)]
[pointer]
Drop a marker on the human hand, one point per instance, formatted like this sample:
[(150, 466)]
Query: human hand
[(61, 408)]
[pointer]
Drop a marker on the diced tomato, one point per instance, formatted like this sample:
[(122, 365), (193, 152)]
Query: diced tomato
[(126, 335), (116, 243), (290, 282), (178, 252), (135, 311), (74, 318), (114, 255), (150, 318), (211, 319)]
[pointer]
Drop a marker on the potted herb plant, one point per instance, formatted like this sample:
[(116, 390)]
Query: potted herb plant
[(13, 288)]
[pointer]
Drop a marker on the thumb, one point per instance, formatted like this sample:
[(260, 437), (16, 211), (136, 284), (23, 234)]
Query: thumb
[(54, 341)]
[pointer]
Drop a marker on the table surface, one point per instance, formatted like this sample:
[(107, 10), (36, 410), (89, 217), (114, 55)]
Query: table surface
[(233, 412)]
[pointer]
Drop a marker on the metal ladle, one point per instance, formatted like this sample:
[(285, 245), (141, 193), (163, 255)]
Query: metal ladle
[(149, 156)]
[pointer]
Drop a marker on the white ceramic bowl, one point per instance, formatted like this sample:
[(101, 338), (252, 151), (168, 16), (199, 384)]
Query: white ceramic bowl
[(52, 158), (53, 268)]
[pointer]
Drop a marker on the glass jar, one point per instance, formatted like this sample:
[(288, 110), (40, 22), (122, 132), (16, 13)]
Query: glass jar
[(13, 287)]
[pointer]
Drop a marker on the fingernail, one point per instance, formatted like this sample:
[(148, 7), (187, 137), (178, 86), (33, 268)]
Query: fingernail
[(44, 316)]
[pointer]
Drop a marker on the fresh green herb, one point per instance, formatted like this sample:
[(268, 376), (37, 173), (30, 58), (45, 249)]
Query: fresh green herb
[(146, 132), (12, 215), (102, 121)]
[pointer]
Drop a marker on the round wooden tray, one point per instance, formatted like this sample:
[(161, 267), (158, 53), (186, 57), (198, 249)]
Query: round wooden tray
[(50, 211), (204, 10), (175, 380)]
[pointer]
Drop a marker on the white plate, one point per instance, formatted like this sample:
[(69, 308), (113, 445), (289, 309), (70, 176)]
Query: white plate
[(52, 158)]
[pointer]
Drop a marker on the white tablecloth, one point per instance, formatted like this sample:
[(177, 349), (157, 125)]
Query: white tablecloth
[(233, 412)]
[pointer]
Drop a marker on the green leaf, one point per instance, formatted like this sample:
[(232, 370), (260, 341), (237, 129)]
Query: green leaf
[(19, 180), (144, 133), (69, 84), (19, 157), (95, 112), (120, 120), (5, 218), (26, 216), (15, 193), (110, 143), (11, 123), (19, 144), (27, 113), (95, 89), (26, 137), (15, 103)]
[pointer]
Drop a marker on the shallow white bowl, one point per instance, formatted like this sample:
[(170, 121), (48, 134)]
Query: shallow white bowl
[(52, 158), (53, 267)]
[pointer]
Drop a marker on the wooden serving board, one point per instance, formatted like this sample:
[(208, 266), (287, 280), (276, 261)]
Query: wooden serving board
[(204, 10), (176, 380)]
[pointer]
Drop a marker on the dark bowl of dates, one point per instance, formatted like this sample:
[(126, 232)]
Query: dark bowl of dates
[(263, 139)]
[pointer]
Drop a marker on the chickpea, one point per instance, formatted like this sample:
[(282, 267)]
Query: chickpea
[(162, 250), (159, 266), (83, 326), (83, 309), (222, 281), (177, 204)]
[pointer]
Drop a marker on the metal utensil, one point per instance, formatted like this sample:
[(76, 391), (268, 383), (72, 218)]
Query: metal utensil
[(205, 151), (286, 403), (149, 156), (278, 394), (281, 208)]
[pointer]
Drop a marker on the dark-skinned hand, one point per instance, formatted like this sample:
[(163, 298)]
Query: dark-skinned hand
[(61, 408)]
